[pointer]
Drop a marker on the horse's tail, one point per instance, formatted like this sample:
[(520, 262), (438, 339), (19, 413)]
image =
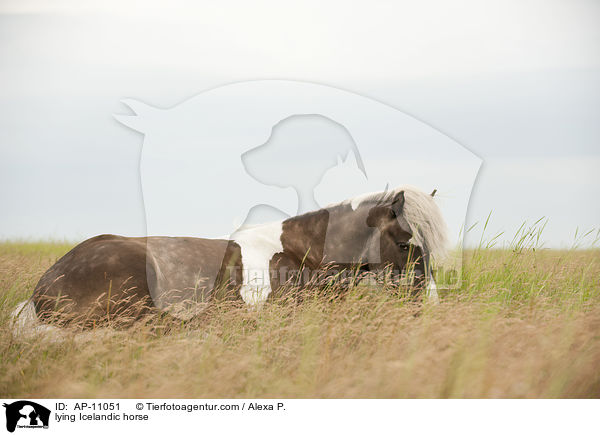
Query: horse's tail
[(26, 323)]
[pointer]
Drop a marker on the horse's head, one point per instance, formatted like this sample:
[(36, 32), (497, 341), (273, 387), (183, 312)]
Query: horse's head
[(394, 238), (400, 229)]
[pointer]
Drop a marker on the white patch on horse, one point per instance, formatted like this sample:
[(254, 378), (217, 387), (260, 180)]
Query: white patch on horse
[(258, 245)]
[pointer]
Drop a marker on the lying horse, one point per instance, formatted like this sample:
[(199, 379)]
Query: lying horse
[(107, 275)]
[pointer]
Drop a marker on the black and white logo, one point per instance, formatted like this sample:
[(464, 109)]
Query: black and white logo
[(25, 414)]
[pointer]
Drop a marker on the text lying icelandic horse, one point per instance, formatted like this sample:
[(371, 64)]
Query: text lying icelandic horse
[(108, 277)]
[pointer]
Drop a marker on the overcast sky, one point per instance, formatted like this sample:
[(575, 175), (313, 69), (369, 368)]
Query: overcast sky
[(516, 82)]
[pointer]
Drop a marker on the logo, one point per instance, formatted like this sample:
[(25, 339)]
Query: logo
[(259, 152), (26, 414)]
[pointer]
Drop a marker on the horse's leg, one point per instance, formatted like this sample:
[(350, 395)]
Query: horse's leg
[(230, 277), (284, 275)]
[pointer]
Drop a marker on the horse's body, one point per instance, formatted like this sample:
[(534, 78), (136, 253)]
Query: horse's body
[(108, 275), (140, 272)]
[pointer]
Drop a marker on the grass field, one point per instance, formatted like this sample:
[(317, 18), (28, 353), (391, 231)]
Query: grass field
[(524, 323)]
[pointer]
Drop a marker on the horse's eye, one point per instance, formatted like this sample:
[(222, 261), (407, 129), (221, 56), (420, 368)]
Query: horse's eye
[(403, 246)]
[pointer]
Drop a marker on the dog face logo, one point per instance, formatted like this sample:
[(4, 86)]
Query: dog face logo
[(26, 414)]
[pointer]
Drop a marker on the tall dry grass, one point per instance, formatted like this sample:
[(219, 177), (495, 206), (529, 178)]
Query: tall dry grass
[(524, 323)]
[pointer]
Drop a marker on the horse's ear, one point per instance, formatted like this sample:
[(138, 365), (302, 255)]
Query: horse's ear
[(398, 203)]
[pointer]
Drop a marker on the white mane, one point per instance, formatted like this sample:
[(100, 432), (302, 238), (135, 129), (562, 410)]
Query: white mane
[(420, 211)]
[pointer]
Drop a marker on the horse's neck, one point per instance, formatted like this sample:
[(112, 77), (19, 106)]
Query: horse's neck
[(303, 237), (348, 235), (336, 234)]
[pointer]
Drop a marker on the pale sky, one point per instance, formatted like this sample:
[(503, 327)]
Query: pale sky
[(517, 83)]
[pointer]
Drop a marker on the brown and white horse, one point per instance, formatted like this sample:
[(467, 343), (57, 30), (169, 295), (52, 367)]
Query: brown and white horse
[(105, 276)]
